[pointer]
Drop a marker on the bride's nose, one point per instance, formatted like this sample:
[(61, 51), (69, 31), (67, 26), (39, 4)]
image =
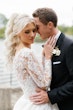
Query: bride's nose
[(32, 34)]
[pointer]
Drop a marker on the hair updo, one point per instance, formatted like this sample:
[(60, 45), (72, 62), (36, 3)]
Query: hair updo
[(14, 26)]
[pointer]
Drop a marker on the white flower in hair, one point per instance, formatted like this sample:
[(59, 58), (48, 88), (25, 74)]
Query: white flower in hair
[(56, 51)]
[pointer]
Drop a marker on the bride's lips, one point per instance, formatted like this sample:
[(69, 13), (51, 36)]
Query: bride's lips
[(32, 39)]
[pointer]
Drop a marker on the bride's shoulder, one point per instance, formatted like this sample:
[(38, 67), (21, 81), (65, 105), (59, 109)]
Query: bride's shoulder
[(24, 52)]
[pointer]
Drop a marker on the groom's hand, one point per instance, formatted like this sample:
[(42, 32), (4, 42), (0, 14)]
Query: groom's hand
[(41, 97)]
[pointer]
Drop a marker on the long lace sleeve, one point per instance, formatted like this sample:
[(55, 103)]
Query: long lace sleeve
[(28, 63)]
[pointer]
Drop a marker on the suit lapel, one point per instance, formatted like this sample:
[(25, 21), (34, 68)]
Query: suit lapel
[(58, 44), (60, 40)]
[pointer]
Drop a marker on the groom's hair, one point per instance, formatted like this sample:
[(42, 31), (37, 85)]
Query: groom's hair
[(46, 15)]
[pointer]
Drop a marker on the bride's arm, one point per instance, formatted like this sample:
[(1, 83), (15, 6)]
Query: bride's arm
[(39, 73), (27, 61)]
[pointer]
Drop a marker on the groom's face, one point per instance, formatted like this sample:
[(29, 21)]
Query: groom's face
[(42, 29)]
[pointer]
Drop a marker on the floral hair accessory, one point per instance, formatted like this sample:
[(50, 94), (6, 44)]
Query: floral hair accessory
[(56, 51)]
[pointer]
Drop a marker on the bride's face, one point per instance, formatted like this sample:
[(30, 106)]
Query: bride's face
[(27, 35)]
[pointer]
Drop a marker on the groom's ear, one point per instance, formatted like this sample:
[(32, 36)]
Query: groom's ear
[(50, 24)]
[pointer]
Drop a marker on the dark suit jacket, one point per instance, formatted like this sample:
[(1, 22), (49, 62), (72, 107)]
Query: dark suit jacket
[(62, 75)]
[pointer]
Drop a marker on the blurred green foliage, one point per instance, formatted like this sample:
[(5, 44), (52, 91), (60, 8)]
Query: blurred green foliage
[(3, 22), (2, 32), (66, 30)]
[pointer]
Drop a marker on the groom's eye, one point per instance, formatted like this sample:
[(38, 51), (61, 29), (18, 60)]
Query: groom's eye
[(34, 30), (37, 28)]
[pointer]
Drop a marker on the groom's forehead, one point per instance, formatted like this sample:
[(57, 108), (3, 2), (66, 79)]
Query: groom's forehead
[(37, 21)]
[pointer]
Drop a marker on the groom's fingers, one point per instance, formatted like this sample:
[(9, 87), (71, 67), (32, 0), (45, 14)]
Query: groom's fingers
[(40, 102), (40, 97), (35, 95), (36, 99)]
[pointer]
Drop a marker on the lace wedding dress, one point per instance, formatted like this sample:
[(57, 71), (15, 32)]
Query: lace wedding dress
[(31, 73)]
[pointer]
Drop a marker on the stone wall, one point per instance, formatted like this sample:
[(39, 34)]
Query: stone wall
[(8, 97)]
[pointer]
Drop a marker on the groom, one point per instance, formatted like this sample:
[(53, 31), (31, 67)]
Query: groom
[(62, 62)]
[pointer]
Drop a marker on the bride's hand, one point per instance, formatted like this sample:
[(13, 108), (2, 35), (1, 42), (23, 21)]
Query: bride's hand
[(48, 47)]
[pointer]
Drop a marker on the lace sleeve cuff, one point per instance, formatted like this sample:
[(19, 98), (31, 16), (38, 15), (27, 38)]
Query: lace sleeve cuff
[(48, 63)]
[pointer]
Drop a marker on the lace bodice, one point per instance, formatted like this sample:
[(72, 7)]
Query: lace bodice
[(31, 73)]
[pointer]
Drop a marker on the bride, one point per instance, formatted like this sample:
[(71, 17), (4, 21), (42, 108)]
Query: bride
[(31, 73)]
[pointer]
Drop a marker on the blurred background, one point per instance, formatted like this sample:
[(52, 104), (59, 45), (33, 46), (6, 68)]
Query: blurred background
[(9, 88)]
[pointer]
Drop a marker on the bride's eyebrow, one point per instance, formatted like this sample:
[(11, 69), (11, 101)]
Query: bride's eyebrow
[(28, 30)]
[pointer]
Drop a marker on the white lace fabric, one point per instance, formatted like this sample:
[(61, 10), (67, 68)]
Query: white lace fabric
[(31, 73), (27, 65)]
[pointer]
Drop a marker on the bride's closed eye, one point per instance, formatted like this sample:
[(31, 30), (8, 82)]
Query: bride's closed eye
[(28, 31)]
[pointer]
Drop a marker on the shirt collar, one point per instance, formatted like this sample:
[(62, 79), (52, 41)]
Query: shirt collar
[(57, 35)]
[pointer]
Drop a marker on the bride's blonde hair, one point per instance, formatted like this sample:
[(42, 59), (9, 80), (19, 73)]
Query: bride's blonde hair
[(14, 26)]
